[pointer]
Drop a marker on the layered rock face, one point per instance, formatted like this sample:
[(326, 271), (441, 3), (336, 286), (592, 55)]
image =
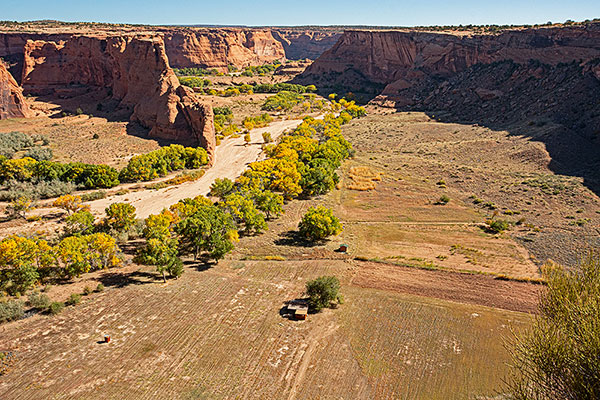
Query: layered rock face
[(302, 44), (219, 48), (399, 59), (136, 71), (12, 103)]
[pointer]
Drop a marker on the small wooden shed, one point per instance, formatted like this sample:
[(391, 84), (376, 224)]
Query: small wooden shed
[(299, 308)]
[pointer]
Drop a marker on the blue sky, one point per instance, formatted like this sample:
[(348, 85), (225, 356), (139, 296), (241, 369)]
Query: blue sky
[(304, 12)]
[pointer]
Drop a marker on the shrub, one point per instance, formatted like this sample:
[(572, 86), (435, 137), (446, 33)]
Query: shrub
[(319, 223), (74, 299), (39, 300), (496, 225), (39, 153), (267, 137), (443, 200), (97, 195), (11, 310), (100, 288), (322, 292), (56, 307), (87, 291), (120, 216), (557, 357), (36, 190)]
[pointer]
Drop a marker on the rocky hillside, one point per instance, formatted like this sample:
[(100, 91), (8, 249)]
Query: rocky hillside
[(12, 103), (133, 70), (388, 62)]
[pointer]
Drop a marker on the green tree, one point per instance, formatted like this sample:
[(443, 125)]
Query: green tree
[(209, 229), (319, 223), (221, 187), (268, 202), (161, 247), (322, 292), (120, 217), (244, 212), (557, 358)]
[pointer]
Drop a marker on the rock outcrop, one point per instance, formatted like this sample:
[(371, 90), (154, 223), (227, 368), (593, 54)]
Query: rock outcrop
[(12, 103), (136, 72), (300, 44), (219, 48), (399, 59)]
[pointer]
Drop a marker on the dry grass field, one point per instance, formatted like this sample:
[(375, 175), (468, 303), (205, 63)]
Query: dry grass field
[(218, 333)]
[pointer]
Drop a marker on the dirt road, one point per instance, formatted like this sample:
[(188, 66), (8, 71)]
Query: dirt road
[(231, 159)]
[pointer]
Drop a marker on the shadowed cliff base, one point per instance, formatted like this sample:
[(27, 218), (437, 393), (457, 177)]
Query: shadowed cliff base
[(557, 106)]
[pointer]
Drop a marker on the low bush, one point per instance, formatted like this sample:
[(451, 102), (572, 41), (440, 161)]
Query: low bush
[(11, 310), (100, 288), (38, 190), (97, 195), (87, 291), (74, 299), (39, 153), (39, 300), (56, 307), (496, 225)]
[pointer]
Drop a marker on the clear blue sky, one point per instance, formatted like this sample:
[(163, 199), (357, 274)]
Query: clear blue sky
[(304, 12)]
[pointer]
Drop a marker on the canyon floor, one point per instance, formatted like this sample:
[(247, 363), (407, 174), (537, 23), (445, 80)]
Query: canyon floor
[(427, 307)]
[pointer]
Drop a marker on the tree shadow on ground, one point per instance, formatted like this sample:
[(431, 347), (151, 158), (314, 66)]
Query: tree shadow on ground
[(293, 238), (121, 279), (199, 265)]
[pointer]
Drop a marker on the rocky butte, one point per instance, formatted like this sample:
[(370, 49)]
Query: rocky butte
[(131, 69), (12, 103)]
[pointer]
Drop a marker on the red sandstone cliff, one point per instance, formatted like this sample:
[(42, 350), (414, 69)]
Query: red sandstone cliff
[(398, 59), (218, 48), (136, 71), (12, 103), (301, 44)]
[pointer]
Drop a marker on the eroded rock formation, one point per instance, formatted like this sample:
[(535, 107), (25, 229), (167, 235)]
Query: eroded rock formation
[(12, 103), (396, 60), (136, 71)]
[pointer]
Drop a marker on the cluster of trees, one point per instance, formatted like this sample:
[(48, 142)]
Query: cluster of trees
[(159, 162), (304, 161), (195, 71), (261, 70), (193, 81), (282, 101), (42, 178), (192, 226), (200, 86), (24, 262), (259, 121), (83, 246), (86, 175)]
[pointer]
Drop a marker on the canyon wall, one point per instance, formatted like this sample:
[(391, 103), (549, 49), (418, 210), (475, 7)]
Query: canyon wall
[(301, 44), (399, 59), (136, 72), (219, 48), (12, 103)]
